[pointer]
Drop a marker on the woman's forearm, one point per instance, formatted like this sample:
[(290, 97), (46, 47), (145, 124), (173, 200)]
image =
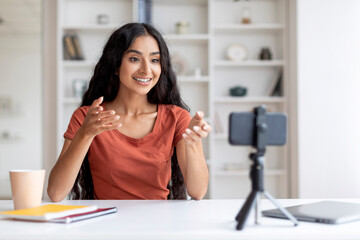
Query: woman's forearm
[(197, 174), (66, 169)]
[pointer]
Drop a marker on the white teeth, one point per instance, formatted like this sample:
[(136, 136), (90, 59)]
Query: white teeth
[(142, 79)]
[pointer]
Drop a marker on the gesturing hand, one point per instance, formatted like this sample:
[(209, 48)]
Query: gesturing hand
[(197, 129), (97, 120)]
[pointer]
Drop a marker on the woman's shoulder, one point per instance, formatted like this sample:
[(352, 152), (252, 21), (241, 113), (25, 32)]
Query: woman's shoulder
[(81, 111), (176, 110)]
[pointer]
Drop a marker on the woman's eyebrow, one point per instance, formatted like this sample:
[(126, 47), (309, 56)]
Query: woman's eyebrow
[(154, 53), (140, 53)]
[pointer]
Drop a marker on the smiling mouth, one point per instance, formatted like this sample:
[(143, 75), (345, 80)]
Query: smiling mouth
[(142, 80)]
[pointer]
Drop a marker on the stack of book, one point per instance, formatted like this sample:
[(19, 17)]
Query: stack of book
[(72, 48), (58, 213)]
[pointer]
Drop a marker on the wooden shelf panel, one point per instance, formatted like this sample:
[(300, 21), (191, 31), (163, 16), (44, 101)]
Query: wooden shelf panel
[(187, 37), (249, 27), (245, 173), (93, 27), (249, 63), (77, 63), (249, 100), (193, 79)]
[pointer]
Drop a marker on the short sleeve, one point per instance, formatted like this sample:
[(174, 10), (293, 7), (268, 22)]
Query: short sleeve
[(75, 122), (182, 123)]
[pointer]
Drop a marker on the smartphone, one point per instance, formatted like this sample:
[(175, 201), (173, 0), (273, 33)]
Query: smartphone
[(242, 130)]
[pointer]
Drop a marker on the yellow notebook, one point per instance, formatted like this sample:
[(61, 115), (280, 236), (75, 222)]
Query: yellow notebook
[(47, 212)]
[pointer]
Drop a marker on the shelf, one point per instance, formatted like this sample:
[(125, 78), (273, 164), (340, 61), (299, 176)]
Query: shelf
[(249, 100), (11, 114), (245, 173), (249, 63), (187, 37), (193, 79), (221, 136), (249, 27), (10, 140), (77, 63), (182, 2), (71, 100), (93, 27)]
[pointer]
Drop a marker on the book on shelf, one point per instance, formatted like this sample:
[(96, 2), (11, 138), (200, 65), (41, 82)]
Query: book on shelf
[(217, 122), (58, 213), (275, 88), (278, 90), (145, 11), (72, 47)]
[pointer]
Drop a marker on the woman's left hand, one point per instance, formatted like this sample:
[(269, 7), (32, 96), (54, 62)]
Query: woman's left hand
[(197, 129)]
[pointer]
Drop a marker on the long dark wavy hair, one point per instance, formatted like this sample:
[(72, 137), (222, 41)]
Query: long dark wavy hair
[(105, 82)]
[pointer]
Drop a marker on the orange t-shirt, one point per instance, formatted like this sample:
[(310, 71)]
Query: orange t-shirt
[(127, 168)]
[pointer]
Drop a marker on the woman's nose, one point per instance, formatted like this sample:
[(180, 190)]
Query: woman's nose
[(145, 67)]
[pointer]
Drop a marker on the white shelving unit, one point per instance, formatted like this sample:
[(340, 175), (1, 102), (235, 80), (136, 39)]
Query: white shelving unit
[(214, 25)]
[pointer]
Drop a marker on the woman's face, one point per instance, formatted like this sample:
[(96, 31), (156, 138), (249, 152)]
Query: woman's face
[(140, 67)]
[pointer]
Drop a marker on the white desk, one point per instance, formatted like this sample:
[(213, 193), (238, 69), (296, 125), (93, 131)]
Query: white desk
[(206, 219)]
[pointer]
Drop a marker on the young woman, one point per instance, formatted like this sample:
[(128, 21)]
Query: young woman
[(132, 134)]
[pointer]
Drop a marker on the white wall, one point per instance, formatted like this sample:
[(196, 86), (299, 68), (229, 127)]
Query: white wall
[(49, 75), (329, 98), (20, 68)]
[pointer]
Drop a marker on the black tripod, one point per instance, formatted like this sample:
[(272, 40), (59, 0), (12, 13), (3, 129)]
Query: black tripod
[(257, 175)]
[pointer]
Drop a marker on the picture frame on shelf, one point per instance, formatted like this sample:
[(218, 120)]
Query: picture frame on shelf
[(236, 52)]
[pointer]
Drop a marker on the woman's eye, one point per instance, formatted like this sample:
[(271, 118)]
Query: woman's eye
[(155, 60), (134, 59)]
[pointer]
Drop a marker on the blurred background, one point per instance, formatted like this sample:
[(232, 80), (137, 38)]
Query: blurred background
[(299, 57)]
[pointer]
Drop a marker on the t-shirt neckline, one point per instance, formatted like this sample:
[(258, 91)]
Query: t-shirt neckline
[(146, 137)]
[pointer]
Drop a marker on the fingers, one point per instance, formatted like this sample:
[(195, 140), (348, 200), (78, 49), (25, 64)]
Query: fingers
[(200, 132), (103, 114), (100, 120), (197, 129), (95, 110), (206, 127), (199, 115), (190, 136), (97, 102), (107, 120), (194, 135), (95, 107), (110, 123)]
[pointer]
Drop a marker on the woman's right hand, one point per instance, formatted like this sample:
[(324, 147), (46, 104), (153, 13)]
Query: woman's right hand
[(97, 120)]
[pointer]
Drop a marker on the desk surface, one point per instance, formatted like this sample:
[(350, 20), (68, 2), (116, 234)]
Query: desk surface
[(149, 219)]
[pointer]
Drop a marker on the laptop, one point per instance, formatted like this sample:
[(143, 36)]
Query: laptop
[(330, 212)]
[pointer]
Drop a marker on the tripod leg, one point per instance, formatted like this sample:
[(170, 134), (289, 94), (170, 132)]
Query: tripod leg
[(283, 210), (245, 209), (258, 208)]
